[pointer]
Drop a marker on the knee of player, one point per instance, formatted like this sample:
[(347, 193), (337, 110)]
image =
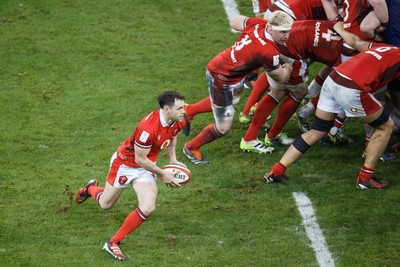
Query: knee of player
[(105, 205), (383, 122), (388, 126), (300, 92), (301, 145), (299, 95), (148, 209), (223, 131), (322, 125)]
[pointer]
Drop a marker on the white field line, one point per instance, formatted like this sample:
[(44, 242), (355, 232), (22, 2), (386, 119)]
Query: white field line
[(230, 9), (313, 230)]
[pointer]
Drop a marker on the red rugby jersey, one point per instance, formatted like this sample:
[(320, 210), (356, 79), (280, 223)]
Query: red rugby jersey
[(373, 68), (152, 133), (353, 13), (301, 9), (315, 40), (253, 49)]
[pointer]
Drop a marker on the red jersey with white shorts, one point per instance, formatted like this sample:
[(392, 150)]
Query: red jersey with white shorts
[(354, 12), (253, 49), (301, 9), (373, 68), (313, 40), (153, 133), (350, 87)]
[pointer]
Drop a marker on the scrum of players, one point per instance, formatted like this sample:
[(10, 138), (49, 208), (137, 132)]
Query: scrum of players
[(272, 56), (357, 43)]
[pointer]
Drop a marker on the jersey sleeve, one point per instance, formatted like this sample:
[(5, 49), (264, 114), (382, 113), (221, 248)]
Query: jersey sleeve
[(146, 132), (250, 22), (272, 59), (143, 138)]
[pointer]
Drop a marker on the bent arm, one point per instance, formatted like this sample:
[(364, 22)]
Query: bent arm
[(376, 19), (369, 25), (351, 39), (281, 74), (380, 10), (142, 160)]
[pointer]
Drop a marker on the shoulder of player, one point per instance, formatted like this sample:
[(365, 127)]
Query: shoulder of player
[(150, 122), (151, 118), (253, 21)]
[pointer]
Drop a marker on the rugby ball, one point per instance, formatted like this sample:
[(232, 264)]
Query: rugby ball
[(182, 174)]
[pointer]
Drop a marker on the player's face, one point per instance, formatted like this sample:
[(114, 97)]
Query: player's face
[(176, 111), (280, 37)]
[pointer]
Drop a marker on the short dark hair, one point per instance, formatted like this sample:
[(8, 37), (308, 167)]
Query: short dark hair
[(168, 98)]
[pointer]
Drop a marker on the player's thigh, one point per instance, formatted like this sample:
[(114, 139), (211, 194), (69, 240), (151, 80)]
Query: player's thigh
[(223, 112), (278, 92), (371, 117), (299, 91), (110, 195), (146, 193), (328, 116), (221, 91)]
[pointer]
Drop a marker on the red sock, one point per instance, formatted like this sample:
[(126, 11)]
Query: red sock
[(199, 107), (95, 192), (366, 173), (133, 221), (339, 122), (264, 109), (314, 100), (260, 87), (286, 110), (278, 169), (207, 135), (319, 80)]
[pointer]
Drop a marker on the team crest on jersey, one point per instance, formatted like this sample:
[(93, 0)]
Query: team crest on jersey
[(165, 144), (122, 179), (159, 137), (175, 131), (144, 136)]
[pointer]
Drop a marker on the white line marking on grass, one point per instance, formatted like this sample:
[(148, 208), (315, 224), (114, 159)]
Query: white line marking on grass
[(230, 9), (313, 230)]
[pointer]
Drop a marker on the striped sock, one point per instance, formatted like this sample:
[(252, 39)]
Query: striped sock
[(207, 135), (131, 223), (366, 173), (95, 192)]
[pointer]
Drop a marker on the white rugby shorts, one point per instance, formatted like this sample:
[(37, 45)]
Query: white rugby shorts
[(336, 98), (120, 176)]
